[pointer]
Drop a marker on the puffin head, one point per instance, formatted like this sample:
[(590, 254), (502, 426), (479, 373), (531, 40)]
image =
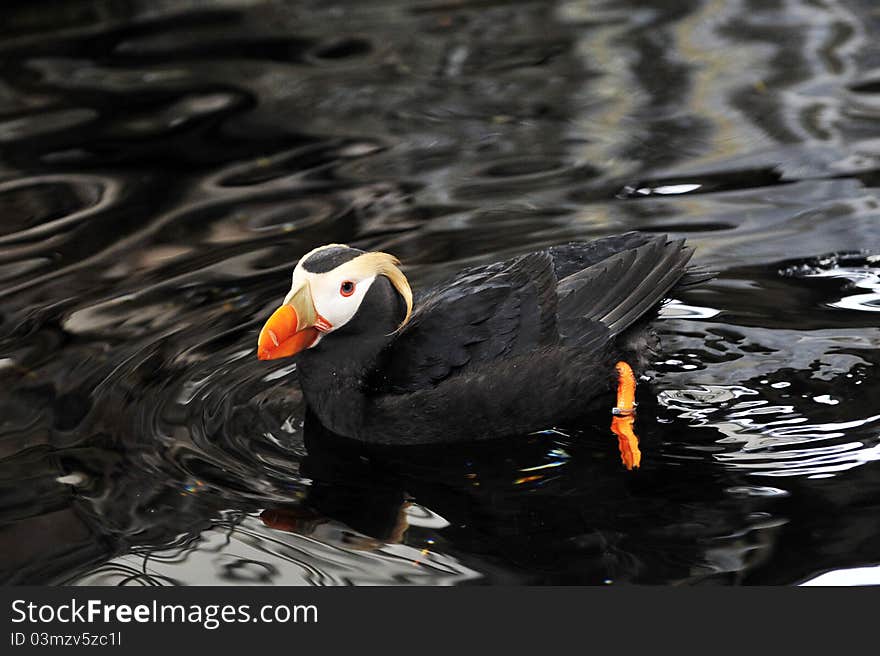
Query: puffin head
[(332, 286)]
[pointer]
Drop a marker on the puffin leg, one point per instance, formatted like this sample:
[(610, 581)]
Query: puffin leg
[(624, 415)]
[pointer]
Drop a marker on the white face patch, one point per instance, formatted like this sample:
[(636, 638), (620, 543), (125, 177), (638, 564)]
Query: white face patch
[(333, 299)]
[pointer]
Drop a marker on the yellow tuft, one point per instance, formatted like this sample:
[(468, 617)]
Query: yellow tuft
[(385, 264), (372, 264)]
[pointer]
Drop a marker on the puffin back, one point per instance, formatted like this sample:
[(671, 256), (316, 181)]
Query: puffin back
[(574, 297)]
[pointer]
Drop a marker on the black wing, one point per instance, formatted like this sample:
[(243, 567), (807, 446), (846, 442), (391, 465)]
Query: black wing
[(576, 256), (487, 312), (622, 288), (574, 296)]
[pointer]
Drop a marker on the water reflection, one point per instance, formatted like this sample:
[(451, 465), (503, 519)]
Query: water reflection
[(778, 440), (162, 169), (440, 516), (863, 273)]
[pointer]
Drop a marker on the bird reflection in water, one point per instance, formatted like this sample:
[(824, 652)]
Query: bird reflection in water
[(539, 504)]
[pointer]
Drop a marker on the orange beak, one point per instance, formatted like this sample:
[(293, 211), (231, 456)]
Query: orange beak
[(290, 329)]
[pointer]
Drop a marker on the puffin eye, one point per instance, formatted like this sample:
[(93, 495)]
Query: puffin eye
[(346, 288)]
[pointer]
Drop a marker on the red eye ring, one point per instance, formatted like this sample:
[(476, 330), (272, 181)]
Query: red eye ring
[(347, 288)]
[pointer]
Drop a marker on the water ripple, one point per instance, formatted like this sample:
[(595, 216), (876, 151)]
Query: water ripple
[(861, 271), (775, 440)]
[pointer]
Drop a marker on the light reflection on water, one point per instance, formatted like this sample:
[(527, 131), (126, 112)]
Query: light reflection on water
[(849, 577), (776, 440), (248, 553), (866, 277)]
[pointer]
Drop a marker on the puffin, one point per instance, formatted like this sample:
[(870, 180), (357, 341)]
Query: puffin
[(512, 347)]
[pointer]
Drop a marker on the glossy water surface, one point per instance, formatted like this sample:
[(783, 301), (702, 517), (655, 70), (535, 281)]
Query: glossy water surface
[(164, 164)]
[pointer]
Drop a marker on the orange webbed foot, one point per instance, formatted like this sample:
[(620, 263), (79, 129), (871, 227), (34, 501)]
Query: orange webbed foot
[(624, 417)]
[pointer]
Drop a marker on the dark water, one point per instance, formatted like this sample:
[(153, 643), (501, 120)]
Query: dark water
[(164, 164)]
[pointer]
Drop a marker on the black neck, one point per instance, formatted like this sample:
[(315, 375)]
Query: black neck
[(334, 374)]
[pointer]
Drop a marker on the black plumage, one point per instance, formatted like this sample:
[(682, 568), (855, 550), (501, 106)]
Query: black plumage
[(329, 258), (506, 348)]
